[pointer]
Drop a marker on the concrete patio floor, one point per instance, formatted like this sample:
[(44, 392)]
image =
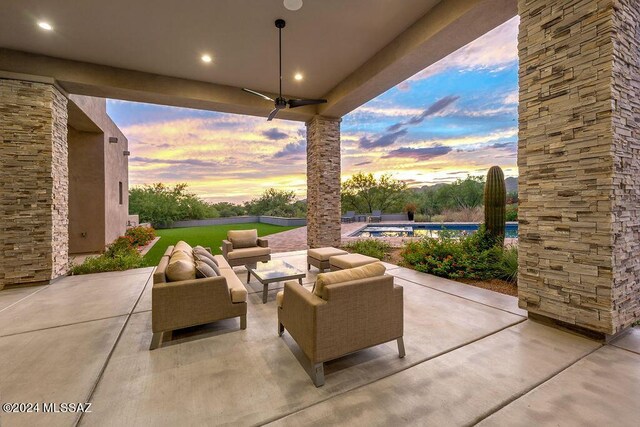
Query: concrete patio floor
[(472, 356)]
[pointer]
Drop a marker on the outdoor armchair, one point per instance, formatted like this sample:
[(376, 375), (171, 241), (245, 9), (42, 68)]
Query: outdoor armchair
[(351, 316), (376, 216), (244, 247), (350, 216)]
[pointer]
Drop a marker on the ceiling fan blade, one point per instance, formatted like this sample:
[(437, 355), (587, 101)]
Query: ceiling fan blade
[(272, 114), (258, 94), (293, 103)]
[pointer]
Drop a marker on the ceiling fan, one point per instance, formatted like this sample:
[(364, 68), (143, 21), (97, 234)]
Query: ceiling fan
[(280, 102)]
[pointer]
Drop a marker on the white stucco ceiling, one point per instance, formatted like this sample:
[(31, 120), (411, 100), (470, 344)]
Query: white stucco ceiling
[(326, 40)]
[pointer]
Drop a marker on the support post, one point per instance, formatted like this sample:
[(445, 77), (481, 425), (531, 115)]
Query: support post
[(579, 162), (323, 182)]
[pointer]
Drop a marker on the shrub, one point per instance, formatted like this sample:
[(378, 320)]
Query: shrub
[(119, 256), (475, 256), (512, 212), (371, 247), (508, 268), (140, 235)]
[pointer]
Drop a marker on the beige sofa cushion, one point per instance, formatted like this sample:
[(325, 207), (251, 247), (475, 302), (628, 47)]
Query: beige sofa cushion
[(204, 270), (243, 238), (248, 252), (323, 254), (341, 276), (181, 267), (184, 247), (351, 260), (236, 288)]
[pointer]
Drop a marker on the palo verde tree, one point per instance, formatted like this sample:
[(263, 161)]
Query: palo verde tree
[(364, 193)]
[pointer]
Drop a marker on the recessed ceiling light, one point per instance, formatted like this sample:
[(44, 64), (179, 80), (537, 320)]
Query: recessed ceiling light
[(45, 26), (206, 58), (293, 4), (298, 76)]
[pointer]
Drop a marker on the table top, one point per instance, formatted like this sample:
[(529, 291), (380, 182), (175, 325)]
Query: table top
[(276, 270)]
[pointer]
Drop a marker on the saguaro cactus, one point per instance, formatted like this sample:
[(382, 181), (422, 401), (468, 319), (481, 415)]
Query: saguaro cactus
[(495, 203)]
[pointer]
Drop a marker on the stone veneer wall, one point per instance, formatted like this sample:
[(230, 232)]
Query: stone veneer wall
[(323, 182), (626, 163), (34, 179), (578, 156)]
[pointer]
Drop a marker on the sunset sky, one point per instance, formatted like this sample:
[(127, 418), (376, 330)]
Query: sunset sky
[(457, 117)]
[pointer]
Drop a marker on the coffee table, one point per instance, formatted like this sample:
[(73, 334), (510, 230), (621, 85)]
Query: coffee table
[(275, 270)]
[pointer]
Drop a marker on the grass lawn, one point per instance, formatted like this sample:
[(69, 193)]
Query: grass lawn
[(208, 236)]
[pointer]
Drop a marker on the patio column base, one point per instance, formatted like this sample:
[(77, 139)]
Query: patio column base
[(323, 182)]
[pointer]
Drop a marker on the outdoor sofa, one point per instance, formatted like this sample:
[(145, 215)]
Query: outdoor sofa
[(179, 299), (347, 311), (244, 247)]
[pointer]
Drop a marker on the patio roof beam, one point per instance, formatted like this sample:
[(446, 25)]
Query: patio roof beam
[(82, 78)]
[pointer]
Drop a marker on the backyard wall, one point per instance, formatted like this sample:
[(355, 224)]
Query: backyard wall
[(579, 161), (34, 180), (284, 222)]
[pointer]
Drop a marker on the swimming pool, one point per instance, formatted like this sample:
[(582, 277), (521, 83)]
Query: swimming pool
[(426, 229)]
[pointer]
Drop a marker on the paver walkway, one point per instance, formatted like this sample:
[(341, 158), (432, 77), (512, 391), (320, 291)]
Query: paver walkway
[(472, 356)]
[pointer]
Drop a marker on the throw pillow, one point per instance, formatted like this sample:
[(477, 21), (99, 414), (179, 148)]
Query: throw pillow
[(340, 276), (181, 267), (204, 270), (243, 238), (208, 262), (202, 252)]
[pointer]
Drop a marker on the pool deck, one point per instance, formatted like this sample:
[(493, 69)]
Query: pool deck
[(472, 356)]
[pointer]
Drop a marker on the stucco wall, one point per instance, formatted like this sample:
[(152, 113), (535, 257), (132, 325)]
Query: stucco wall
[(111, 168), (86, 191)]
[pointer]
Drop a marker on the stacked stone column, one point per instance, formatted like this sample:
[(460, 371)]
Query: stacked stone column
[(579, 161), (323, 182), (34, 178)]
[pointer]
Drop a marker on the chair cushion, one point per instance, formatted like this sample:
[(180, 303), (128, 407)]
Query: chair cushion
[(341, 276), (204, 270), (351, 260), (184, 247), (181, 267), (279, 298), (248, 252), (323, 254), (236, 288), (203, 253), (243, 238)]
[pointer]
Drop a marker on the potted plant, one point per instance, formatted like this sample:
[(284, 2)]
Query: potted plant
[(410, 209)]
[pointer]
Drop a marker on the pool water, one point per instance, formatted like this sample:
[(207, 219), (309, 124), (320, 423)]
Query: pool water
[(426, 229)]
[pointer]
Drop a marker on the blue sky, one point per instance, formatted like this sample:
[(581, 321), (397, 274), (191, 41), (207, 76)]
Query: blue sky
[(455, 118)]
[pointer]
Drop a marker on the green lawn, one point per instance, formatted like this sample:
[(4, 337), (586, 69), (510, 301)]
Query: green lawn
[(209, 236)]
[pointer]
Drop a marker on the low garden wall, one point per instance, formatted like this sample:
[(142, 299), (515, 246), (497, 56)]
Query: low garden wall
[(274, 220)]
